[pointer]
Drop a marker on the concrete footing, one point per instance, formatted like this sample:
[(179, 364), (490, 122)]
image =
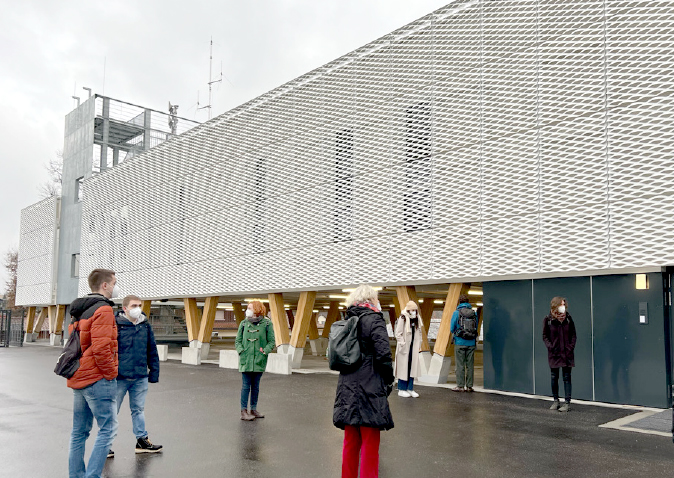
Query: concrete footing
[(229, 359), (191, 356), (55, 340), (282, 349), (438, 370), (319, 346), (162, 350), (296, 355), (28, 337), (276, 363)]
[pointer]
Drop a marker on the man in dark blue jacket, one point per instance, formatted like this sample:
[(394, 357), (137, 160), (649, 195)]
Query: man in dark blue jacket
[(137, 355)]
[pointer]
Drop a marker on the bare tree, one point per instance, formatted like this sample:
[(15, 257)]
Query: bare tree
[(11, 265), (52, 187)]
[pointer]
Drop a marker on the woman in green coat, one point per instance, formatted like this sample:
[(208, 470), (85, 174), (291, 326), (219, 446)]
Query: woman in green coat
[(254, 341)]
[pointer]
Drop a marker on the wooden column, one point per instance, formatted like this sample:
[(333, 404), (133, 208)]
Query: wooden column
[(278, 318), (239, 314), (40, 320), (396, 306), (30, 319), (191, 318), (405, 294), (208, 320), (303, 319), (333, 316), (426, 309), (443, 340), (145, 307), (60, 314), (313, 326)]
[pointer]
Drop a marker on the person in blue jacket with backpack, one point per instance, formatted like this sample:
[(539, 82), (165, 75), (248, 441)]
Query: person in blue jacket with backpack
[(138, 366), (465, 328)]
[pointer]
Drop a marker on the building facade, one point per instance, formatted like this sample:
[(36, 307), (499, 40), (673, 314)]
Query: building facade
[(501, 143)]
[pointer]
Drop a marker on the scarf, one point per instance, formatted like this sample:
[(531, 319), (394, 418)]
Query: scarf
[(255, 320), (557, 315), (366, 304)]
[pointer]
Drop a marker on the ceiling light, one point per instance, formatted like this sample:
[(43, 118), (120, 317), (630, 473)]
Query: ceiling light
[(474, 292)]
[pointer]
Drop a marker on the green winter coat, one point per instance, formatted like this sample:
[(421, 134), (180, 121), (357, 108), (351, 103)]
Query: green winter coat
[(249, 339)]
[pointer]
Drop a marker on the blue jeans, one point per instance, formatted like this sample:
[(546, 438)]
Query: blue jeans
[(95, 401), (406, 384), (251, 386), (137, 389)]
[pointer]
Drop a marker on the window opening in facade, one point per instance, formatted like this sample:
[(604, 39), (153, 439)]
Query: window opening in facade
[(417, 202), (78, 189), (75, 265), (343, 211)]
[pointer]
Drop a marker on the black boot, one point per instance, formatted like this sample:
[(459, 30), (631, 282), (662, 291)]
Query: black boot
[(144, 445)]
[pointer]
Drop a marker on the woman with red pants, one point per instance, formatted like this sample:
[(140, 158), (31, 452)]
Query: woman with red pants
[(361, 405)]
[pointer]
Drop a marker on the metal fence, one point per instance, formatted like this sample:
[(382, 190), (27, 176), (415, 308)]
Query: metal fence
[(11, 330)]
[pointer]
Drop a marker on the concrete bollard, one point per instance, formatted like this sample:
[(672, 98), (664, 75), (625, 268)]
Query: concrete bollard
[(162, 350)]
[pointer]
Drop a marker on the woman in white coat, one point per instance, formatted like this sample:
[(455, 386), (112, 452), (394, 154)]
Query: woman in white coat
[(408, 337)]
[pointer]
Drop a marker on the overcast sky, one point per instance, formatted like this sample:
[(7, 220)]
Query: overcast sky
[(153, 52)]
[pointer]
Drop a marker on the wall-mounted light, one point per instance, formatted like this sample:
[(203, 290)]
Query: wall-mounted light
[(642, 282)]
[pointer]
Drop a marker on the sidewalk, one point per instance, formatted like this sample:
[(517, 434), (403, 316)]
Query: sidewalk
[(194, 413)]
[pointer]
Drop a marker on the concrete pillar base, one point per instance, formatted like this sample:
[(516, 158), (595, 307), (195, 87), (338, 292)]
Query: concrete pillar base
[(162, 350), (205, 348), (191, 356), (28, 337), (295, 356), (55, 340), (319, 346), (438, 370), (424, 362), (229, 359), (282, 349), (279, 363)]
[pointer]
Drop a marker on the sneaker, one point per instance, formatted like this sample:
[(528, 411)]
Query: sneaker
[(555, 405), (457, 389), (565, 407), (413, 394), (144, 445), (256, 414), (246, 416), (111, 454), (404, 393), (469, 389)]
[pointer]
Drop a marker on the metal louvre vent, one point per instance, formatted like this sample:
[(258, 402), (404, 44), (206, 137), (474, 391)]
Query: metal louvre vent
[(36, 253), (488, 138)]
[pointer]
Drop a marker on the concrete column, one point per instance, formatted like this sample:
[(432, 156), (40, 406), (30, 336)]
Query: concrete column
[(438, 369), (106, 134)]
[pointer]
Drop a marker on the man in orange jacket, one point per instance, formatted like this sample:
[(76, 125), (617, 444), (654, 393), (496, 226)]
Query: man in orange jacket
[(94, 383)]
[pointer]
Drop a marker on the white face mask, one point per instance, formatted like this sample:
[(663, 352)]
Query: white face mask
[(135, 313), (249, 313), (413, 313), (116, 292), (561, 309)]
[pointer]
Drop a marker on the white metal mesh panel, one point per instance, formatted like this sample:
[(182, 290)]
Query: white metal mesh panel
[(488, 138), (36, 253)]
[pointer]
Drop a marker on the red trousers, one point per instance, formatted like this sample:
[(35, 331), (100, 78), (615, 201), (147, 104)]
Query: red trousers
[(360, 443)]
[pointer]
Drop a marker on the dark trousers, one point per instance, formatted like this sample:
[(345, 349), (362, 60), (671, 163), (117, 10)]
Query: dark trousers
[(566, 377), (251, 386), (361, 444), (465, 361)]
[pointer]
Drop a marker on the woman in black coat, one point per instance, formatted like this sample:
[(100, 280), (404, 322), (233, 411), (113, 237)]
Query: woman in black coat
[(559, 335), (361, 404)]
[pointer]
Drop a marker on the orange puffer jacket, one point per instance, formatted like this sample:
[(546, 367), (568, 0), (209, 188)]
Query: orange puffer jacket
[(95, 320)]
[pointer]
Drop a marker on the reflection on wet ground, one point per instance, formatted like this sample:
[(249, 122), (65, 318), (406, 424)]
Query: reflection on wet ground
[(194, 413)]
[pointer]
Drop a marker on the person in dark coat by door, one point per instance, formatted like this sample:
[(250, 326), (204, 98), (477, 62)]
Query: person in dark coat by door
[(361, 403), (559, 335)]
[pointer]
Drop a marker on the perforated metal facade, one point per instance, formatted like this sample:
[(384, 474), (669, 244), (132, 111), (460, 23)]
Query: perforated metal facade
[(487, 139), (37, 253)]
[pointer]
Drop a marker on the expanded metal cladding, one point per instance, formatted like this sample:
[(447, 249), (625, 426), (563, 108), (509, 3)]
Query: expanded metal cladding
[(487, 139), (35, 280)]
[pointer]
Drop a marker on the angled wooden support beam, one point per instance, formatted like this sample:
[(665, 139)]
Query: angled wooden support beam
[(279, 320), (60, 314), (145, 306), (443, 339), (30, 319), (208, 320), (405, 294), (239, 314), (44, 312), (396, 306), (191, 318), (303, 319), (333, 316), (313, 326), (426, 309)]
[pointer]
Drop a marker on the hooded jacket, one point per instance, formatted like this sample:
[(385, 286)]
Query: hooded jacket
[(137, 349), (93, 316), (362, 398)]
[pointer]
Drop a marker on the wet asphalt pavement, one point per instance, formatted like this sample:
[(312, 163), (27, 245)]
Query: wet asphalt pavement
[(194, 413)]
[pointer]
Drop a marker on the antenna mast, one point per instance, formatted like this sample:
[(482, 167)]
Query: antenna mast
[(210, 82)]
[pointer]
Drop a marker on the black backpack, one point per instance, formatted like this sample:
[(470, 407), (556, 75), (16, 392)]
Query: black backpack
[(343, 346), (467, 324), (69, 360)]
